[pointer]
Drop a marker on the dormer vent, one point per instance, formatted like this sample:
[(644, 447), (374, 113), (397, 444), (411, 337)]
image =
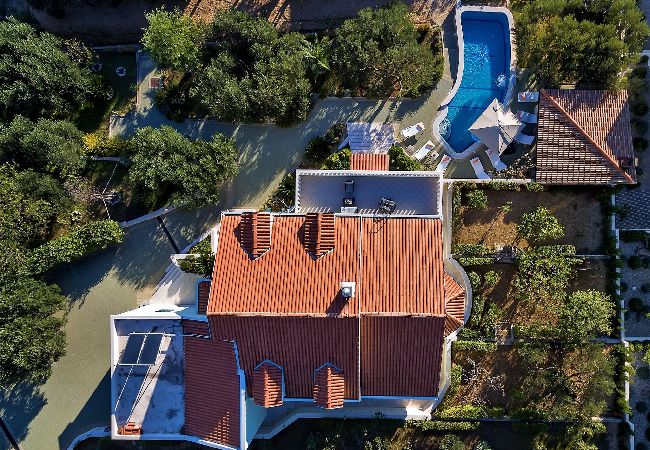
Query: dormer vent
[(255, 233), (319, 233)]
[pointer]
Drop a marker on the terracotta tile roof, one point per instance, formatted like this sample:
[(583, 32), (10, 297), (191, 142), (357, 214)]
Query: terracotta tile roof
[(454, 305), (369, 161), (396, 264), (212, 391), (196, 327), (286, 279), (298, 344), (267, 384), (319, 233), (254, 233), (203, 297), (401, 356), (584, 137), (402, 266), (329, 387)]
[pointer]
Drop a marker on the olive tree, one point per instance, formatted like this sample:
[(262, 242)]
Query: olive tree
[(540, 225)]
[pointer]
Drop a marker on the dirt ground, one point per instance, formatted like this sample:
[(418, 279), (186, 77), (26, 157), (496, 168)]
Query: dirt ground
[(592, 274), (577, 210), (121, 22)]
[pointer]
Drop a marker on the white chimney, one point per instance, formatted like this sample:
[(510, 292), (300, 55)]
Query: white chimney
[(347, 289)]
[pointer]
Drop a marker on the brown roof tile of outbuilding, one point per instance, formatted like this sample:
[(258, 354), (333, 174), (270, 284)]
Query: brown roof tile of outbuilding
[(212, 396), (267, 385), (369, 161), (329, 387), (584, 137), (196, 327)]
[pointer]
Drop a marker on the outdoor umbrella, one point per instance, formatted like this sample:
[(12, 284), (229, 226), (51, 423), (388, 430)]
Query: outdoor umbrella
[(495, 127)]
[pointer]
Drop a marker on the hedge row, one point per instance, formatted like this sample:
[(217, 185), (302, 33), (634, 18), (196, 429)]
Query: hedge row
[(439, 425), (475, 346), (80, 242)]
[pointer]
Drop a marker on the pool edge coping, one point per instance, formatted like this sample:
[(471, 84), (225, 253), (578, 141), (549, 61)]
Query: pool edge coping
[(443, 109)]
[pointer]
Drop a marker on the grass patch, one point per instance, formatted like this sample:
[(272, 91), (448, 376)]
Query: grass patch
[(94, 116)]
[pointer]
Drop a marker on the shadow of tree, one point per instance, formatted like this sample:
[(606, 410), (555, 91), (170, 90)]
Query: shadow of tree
[(19, 404)]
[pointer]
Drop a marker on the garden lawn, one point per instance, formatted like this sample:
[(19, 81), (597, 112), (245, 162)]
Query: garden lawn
[(94, 117), (576, 209)]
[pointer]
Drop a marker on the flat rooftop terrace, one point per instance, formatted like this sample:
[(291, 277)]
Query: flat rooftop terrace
[(414, 193)]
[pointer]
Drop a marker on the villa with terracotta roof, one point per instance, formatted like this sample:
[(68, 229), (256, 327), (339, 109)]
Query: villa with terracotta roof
[(344, 308), (584, 137)]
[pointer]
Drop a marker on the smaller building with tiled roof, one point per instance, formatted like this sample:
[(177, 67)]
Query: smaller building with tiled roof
[(584, 137)]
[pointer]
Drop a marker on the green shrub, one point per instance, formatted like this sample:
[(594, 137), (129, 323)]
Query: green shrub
[(477, 199), (640, 144), (317, 150), (491, 279), (474, 281), (647, 433), (540, 225), (498, 185), (641, 446), (338, 161), (76, 244), (641, 407), (439, 425), (644, 59), (472, 254), (399, 160), (624, 286), (466, 411), (635, 262), (636, 304), (640, 71), (451, 442), (645, 288), (633, 236), (641, 127), (202, 263), (475, 346), (640, 107), (534, 187)]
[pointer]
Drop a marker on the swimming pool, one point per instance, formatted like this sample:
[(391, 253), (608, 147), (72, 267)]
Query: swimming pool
[(485, 73)]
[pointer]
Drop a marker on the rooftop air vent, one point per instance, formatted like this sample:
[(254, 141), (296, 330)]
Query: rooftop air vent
[(347, 289)]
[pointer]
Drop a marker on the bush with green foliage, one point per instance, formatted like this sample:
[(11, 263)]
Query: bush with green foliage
[(540, 225), (475, 281), (641, 407), (639, 107), (475, 346), (635, 262), (45, 145), (202, 262), (317, 150), (623, 286), (338, 161), (636, 305), (587, 44), (640, 144), (477, 199), (173, 39), (40, 75), (87, 239), (451, 442), (586, 314), (543, 273), (399, 160), (641, 127), (378, 52), (491, 278), (633, 236), (473, 254), (176, 169), (284, 196)]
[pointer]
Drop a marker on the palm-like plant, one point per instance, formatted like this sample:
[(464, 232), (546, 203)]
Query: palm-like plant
[(317, 54)]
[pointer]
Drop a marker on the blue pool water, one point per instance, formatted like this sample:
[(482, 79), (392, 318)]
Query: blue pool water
[(485, 75)]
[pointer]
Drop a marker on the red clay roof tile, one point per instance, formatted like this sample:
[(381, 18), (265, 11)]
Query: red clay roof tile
[(254, 233), (329, 387), (212, 395), (203, 297), (369, 161), (196, 327), (584, 136), (319, 233), (267, 384)]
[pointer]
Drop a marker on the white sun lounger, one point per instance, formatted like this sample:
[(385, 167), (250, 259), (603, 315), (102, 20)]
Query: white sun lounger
[(528, 96), (413, 130), (424, 151), (478, 169), (527, 117), (444, 162), (495, 160), (524, 138)]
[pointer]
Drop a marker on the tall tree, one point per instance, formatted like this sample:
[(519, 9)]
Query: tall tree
[(586, 314), (174, 39), (191, 171), (37, 77)]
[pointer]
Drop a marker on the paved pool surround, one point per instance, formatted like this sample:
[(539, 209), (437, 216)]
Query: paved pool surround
[(486, 55)]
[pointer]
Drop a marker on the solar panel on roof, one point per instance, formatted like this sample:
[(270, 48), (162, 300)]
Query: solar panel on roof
[(141, 349)]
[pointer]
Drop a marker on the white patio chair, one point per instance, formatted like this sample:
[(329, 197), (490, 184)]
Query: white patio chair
[(527, 117), (424, 151), (478, 169), (528, 97), (524, 138), (413, 130), (444, 162), (495, 160)]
